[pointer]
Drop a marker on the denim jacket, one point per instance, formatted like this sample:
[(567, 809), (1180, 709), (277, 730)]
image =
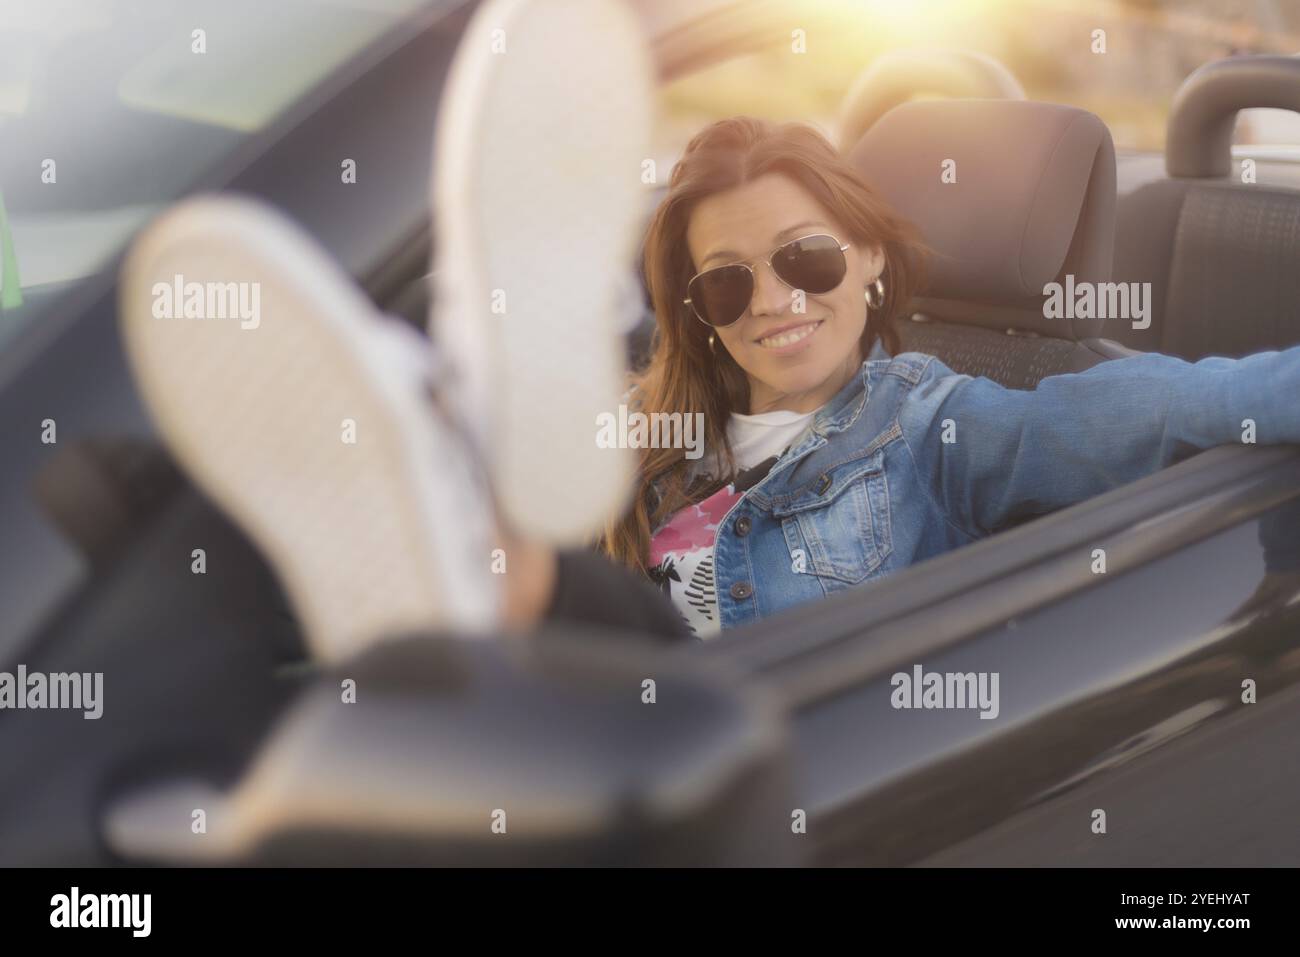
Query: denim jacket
[(911, 459)]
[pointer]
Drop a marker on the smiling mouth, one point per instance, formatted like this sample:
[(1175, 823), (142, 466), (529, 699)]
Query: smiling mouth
[(788, 337)]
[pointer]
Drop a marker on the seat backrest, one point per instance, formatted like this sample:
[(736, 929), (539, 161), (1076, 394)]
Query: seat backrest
[(1221, 253), (1011, 196)]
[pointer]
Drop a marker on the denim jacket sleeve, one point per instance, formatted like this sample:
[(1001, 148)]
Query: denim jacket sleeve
[(992, 454)]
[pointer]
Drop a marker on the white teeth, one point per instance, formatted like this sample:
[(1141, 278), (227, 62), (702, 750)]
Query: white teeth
[(788, 338)]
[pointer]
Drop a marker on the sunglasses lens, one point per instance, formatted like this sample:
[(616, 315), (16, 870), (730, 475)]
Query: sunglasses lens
[(814, 264), (721, 296)]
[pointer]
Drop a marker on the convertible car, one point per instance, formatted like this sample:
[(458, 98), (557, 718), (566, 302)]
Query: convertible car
[(1146, 643)]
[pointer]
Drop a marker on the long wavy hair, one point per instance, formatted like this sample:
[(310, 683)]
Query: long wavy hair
[(683, 374)]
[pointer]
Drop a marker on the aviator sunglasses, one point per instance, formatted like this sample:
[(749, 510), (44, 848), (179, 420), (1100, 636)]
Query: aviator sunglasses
[(815, 264)]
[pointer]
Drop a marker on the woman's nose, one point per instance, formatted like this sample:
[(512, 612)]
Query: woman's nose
[(771, 296)]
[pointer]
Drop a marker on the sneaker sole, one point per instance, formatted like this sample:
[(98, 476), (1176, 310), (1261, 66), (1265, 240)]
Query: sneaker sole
[(362, 535), (537, 194)]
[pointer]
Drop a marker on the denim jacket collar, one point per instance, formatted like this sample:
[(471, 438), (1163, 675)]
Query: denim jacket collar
[(843, 410)]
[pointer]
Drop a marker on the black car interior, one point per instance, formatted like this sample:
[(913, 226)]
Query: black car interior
[(1220, 253), (1000, 224)]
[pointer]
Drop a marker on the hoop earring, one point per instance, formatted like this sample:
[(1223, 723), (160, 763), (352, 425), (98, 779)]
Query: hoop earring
[(878, 288)]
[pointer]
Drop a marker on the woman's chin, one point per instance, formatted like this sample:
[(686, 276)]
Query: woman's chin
[(804, 381)]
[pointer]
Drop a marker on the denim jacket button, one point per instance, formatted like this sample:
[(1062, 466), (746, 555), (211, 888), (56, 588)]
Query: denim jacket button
[(823, 484), (741, 590), (743, 525)]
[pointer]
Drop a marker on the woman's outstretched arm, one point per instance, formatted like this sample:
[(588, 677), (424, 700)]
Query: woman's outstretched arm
[(995, 454)]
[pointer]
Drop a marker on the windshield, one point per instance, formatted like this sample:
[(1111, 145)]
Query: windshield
[(111, 109)]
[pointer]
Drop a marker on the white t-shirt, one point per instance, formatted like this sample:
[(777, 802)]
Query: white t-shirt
[(754, 438), (681, 550)]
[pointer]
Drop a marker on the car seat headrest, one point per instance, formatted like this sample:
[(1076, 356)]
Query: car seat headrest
[(1204, 112), (1009, 195)]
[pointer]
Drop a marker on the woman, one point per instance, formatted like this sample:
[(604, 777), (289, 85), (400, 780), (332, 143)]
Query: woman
[(777, 275), (830, 457)]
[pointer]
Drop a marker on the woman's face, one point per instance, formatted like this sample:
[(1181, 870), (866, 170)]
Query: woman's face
[(820, 350)]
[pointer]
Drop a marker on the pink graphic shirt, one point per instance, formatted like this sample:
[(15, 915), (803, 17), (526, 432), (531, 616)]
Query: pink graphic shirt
[(681, 550)]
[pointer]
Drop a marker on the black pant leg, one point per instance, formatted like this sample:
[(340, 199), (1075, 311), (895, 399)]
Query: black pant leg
[(590, 589)]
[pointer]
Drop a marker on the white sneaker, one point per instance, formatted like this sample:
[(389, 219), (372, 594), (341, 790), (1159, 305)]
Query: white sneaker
[(538, 204), (310, 425)]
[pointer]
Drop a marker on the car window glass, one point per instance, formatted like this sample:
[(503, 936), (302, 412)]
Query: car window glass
[(110, 111)]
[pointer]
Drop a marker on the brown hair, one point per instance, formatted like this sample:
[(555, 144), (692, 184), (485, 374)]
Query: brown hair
[(683, 375)]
